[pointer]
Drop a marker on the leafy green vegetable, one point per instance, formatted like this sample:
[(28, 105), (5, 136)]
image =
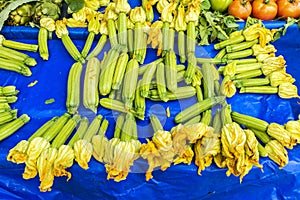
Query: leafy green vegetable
[(281, 31), (214, 26), (4, 14), (75, 5)]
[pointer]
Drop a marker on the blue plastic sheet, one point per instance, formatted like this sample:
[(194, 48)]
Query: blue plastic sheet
[(180, 181)]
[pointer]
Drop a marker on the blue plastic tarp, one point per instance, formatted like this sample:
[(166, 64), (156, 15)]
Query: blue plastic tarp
[(180, 181)]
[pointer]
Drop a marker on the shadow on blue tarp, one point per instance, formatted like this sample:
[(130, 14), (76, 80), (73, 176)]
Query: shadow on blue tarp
[(179, 181)]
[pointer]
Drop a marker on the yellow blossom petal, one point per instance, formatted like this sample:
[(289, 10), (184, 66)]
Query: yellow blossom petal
[(35, 148), (228, 87), (99, 143), (18, 154), (206, 149), (168, 12), (122, 6), (277, 153), (64, 159), (149, 152), (230, 69), (257, 49), (45, 168), (124, 156), (293, 127), (138, 15), (94, 24), (155, 36), (263, 56), (279, 77), (110, 12), (48, 23), (288, 90), (193, 12), (161, 5), (92, 4), (83, 151), (109, 150), (104, 2), (180, 24), (163, 140), (186, 157), (278, 132), (61, 28), (251, 148)]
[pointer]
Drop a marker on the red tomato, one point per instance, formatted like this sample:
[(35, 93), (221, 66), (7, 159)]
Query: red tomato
[(264, 9), (240, 8), (288, 8)]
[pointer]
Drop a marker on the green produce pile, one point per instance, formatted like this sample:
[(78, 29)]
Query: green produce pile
[(208, 131)]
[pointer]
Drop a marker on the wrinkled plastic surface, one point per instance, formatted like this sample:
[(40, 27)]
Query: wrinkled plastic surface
[(179, 181)]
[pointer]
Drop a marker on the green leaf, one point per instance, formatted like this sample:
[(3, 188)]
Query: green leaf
[(75, 5), (4, 14), (250, 21), (205, 5)]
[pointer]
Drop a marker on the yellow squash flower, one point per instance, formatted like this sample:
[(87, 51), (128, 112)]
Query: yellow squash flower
[(18, 154), (279, 77), (287, 91), (83, 151), (278, 132), (205, 150), (99, 143), (293, 127), (48, 23), (277, 153), (45, 168), (155, 36), (64, 159), (35, 148)]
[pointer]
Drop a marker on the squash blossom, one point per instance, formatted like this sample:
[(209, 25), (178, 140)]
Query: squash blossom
[(83, 148), (161, 5), (78, 19), (228, 87), (233, 140), (155, 36), (18, 154), (159, 151), (99, 142), (279, 77), (124, 154), (278, 132), (35, 148), (183, 137), (64, 159), (45, 168), (206, 148), (288, 90), (293, 127), (257, 49), (263, 56), (277, 153), (48, 23)]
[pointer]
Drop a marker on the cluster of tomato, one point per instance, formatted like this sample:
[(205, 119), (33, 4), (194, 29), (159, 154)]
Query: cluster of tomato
[(261, 9)]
